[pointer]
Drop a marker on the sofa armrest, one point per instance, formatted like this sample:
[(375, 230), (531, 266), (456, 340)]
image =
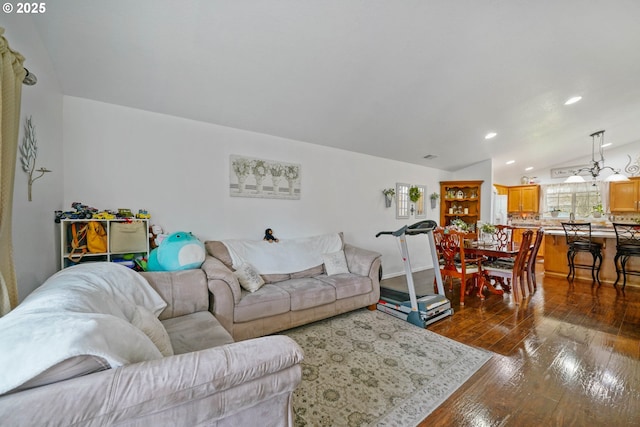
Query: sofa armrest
[(216, 270), (188, 389), (362, 261), (224, 290)]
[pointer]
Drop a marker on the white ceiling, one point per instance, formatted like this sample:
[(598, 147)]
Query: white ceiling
[(396, 79)]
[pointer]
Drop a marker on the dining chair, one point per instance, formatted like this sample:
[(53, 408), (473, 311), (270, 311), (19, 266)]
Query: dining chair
[(578, 235), (530, 263), (503, 234), (511, 270), (627, 245), (453, 262)]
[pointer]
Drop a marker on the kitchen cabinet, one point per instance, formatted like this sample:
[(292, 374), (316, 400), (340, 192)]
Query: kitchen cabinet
[(625, 196), (523, 199), (460, 199)]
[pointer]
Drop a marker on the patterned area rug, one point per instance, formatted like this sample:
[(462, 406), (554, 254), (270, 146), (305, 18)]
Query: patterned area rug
[(367, 368)]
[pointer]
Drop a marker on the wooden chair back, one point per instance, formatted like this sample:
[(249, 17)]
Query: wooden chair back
[(453, 262), (503, 235), (513, 271)]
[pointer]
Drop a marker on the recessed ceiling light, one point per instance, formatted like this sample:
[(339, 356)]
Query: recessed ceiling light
[(529, 168), (490, 135), (510, 162), (572, 100)]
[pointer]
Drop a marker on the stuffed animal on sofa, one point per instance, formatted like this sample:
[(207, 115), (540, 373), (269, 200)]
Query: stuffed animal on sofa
[(269, 237), (179, 251)]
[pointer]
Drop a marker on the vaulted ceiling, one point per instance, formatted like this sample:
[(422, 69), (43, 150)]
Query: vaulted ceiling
[(396, 79)]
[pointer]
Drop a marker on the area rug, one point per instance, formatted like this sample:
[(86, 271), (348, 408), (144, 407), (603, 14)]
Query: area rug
[(367, 368)]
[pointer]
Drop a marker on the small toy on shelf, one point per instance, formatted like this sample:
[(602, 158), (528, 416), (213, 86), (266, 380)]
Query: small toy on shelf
[(104, 215), (269, 237), (143, 214), (81, 212), (124, 213)]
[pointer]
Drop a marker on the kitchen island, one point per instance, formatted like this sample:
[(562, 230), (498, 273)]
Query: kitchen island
[(555, 258)]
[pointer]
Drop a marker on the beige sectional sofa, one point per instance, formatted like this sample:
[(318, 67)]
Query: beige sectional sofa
[(210, 380), (288, 298)]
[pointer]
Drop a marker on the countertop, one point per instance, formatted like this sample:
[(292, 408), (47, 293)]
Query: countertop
[(601, 233)]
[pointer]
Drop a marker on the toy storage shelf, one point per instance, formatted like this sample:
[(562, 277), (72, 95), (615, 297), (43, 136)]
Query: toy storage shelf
[(110, 256)]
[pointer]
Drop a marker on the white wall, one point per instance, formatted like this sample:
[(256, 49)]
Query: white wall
[(481, 171), (178, 169), (34, 241)]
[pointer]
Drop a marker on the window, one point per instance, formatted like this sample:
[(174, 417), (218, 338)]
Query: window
[(579, 199), (402, 200)]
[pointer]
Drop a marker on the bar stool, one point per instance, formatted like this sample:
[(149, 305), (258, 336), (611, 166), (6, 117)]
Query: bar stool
[(627, 245), (578, 236)]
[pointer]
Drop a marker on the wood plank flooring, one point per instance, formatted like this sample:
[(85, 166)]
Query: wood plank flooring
[(569, 355)]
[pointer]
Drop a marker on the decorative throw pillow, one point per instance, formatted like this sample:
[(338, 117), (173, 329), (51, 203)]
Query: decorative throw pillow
[(148, 323), (248, 277), (335, 263)]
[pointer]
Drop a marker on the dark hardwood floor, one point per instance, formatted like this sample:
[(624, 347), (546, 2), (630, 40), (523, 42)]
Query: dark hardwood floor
[(569, 355)]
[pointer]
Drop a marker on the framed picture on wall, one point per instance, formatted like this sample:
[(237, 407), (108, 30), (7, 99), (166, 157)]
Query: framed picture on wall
[(261, 178)]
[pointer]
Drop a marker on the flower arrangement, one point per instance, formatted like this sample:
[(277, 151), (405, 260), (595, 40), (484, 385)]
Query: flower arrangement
[(389, 192), (598, 208), (459, 225), (488, 228), (241, 167), (434, 196), (414, 193)]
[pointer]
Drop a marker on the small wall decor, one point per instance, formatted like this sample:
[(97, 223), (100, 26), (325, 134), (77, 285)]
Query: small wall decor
[(388, 196), (29, 154), (567, 171), (434, 199), (260, 178), (632, 169)]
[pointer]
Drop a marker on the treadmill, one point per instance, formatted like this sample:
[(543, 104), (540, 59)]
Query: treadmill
[(421, 310)]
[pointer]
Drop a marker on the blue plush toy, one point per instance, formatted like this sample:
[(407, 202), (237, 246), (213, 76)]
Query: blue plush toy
[(178, 251)]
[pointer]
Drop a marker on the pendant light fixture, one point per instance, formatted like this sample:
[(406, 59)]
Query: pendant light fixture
[(597, 166)]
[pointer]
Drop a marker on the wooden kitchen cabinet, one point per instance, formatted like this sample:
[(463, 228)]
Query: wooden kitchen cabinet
[(523, 199), (624, 196)]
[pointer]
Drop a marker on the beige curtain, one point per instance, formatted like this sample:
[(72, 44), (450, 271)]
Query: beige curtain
[(11, 75)]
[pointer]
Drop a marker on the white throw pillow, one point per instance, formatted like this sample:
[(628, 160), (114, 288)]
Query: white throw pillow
[(148, 323), (248, 277), (335, 263)]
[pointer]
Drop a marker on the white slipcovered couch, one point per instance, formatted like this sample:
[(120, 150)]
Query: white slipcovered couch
[(302, 282), (85, 349)]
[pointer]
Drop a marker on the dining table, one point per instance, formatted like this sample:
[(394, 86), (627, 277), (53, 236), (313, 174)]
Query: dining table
[(490, 250)]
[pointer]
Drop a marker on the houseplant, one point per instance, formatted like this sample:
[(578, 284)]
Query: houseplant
[(487, 230), (388, 196), (555, 212), (597, 210), (434, 198)]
